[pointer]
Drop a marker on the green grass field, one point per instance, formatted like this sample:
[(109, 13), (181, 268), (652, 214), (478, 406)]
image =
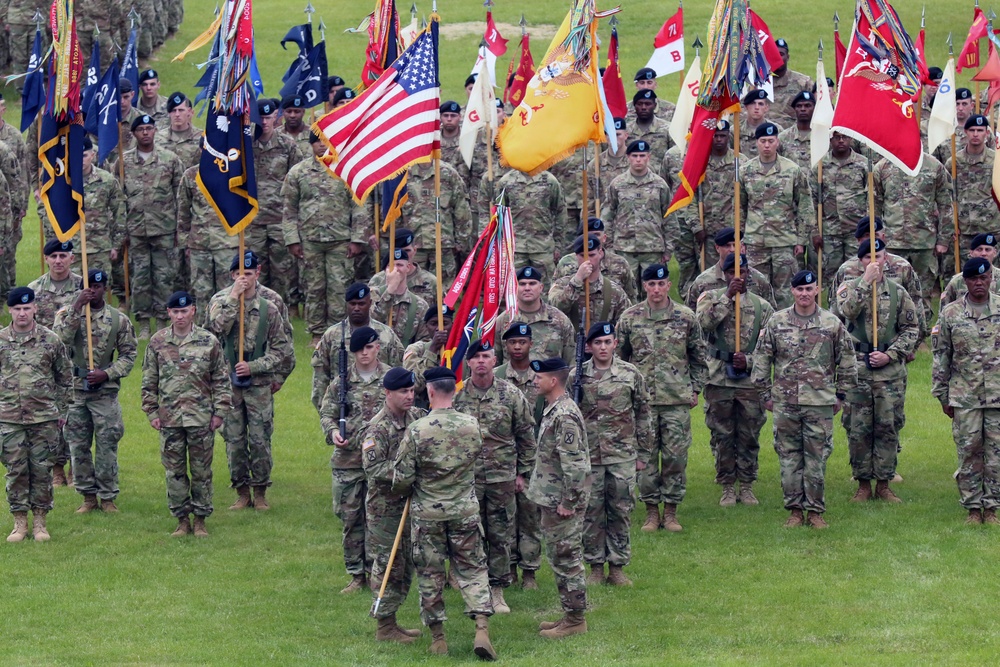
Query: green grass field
[(885, 585)]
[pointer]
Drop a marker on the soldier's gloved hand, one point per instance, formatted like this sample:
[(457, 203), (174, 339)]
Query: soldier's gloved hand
[(438, 341), (296, 250), (878, 359), (242, 369), (338, 441), (97, 376), (216, 423), (948, 410), (739, 361)]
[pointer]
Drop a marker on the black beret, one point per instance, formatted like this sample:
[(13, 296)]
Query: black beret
[(781, 43), (517, 330), (124, 86), (499, 103), (640, 146), (399, 378), (619, 123), (361, 337), (725, 236), (983, 239), (397, 253), (335, 80), (656, 272), (530, 273), (865, 247), (477, 347), (864, 226), (97, 277), (313, 137), (935, 73), (451, 107), (804, 96), (977, 120), (20, 296), (471, 79), (754, 95), (404, 237), (432, 312), (435, 373), (356, 291), (175, 100), (730, 261), (963, 94), (644, 94), (88, 143), (293, 102), (975, 266), (343, 94), (250, 261), (549, 365), (148, 74), (765, 130), (55, 245), (144, 119), (593, 225), (593, 243), (599, 329), (266, 107), (723, 126), (804, 277), (180, 299), (645, 74)]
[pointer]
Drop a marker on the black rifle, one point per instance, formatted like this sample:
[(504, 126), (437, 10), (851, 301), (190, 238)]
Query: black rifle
[(342, 368), (581, 345)]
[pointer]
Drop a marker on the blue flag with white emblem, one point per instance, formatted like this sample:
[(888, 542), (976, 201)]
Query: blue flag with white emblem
[(60, 186), (309, 78), (93, 73), (33, 93), (226, 174), (104, 113), (130, 61)]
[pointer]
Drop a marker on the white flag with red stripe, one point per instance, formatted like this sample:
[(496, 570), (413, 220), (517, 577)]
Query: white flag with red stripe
[(668, 54), (493, 46)]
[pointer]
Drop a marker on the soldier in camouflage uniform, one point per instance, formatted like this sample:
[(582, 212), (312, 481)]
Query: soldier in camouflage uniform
[(611, 164), (325, 230), (813, 361), (541, 217), (983, 245), (795, 140), (384, 509), (185, 394), (616, 267), (734, 412), (869, 411), (845, 201), (419, 281), (965, 107), (152, 185), (150, 102), (663, 340), (505, 463), (777, 208), (451, 127), (615, 409), (436, 466), (456, 218), (129, 113), (396, 306), (178, 135), (637, 203), (105, 215), (965, 381), (17, 179), (569, 173), (787, 85), (646, 126), (685, 221), (977, 211), (714, 277), (553, 333), (21, 27), (757, 108), (35, 387), (268, 358), (95, 415), (364, 398), (13, 203), (293, 110), (53, 290), (324, 358), (560, 487), (426, 352), (607, 299)]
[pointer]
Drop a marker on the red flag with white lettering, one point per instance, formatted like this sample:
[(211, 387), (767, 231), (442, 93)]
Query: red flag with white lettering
[(668, 45)]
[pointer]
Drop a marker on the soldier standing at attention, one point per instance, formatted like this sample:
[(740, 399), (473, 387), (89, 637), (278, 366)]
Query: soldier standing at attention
[(552, 331), (179, 136), (436, 466), (976, 209), (813, 361), (508, 456), (607, 298), (35, 384), (293, 110), (614, 266), (560, 487), (364, 399), (985, 246), (620, 439), (95, 415), (966, 382), (185, 394), (541, 206), (150, 102), (796, 140), (663, 340), (757, 106), (845, 201), (383, 508), (734, 412), (396, 306), (787, 84), (869, 412), (105, 214), (714, 277)]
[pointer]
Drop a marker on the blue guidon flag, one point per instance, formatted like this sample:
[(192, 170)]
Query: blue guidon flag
[(226, 174), (60, 153)]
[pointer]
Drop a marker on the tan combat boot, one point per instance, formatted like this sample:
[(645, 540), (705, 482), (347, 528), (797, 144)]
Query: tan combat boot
[(549, 625), (259, 501), (975, 517), (794, 519), (388, 631), (864, 492), (652, 522), (596, 577), (728, 498), (108, 505), (199, 526), (58, 476), (573, 624), (438, 644), (746, 494), (20, 527), (89, 505), (242, 498), (357, 583), (528, 582), (500, 605), (183, 527), (38, 530), (815, 520), (482, 646), (616, 576), (670, 518), (990, 517), (883, 492)]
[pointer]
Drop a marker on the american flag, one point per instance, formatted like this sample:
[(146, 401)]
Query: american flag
[(395, 123)]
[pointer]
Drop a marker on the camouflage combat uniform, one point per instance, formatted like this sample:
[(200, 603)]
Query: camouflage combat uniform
[(569, 173), (796, 145), (541, 216), (158, 110), (612, 166), (552, 333), (656, 134), (17, 179), (105, 221), (896, 268), (324, 359), (748, 140), (634, 220), (400, 312), (956, 288), (185, 144), (614, 266), (977, 212), (456, 218), (786, 87), (607, 299), (420, 282), (845, 201), (713, 278)]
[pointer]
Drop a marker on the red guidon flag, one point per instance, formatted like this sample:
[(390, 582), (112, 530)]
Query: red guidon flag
[(525, 70), (969, 57), (668, 46), (614, 89), (771, 52)]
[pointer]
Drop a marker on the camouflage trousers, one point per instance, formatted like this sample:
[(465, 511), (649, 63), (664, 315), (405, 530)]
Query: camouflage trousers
[(175, 14), (608, 519), (450, 264), (564, 549), (527, 550), (778, 265), (147, 19), (184, 450), (381, 535), (497, 515), (153, 264), (925, 265), (541, 260), (279, 269), (326, 274), (461, 542), (247, 430), (637, 261), (94, 427), (26, 452), (209, 274), (734, 417), (837, 249), (21, 38), (10, 257), (688, 254), (977, 441), (803, 439), (665, 478), (349, 490), (869, 418)]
